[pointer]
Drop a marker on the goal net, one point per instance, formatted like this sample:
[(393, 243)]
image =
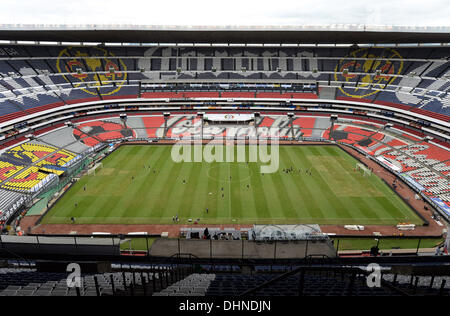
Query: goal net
[(361, 168), (94, 169)]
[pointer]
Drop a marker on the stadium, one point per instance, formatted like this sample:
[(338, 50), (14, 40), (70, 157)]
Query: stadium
[(224, 161)]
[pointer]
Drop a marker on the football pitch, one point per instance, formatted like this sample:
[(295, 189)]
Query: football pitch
[(141, 184)]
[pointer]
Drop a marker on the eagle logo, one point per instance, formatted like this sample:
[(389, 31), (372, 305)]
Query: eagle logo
[(94, 69), (367, 70)]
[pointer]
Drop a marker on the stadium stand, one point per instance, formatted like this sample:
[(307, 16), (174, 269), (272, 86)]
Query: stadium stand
[(47, 158), (140, 280), (165, 281), (390, 103), (95, 132), (25, 282), (10, 201), (152, 124), (8, 169), (103, 74), (61, 137), (26, 180), (314, 284)]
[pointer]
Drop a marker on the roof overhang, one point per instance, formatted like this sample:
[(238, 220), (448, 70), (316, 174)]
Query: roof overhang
[(249, 35)]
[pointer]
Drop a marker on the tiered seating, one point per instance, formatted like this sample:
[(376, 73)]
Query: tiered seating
[(419, 162), (304, 95), (380, 148), (229, 94), (436, 187), (201, 94), (8, 168), (12, 142), (266, 122), (125, 92), (61, 137), (411, 131), (410, 137), (407, 163), (424, 283), (31, 282), (440, 187), (47, 129), (315, 284), (347, 134), (186, 126), (44, 107), (152, 124), (423, 152), (433, 152), (16, 173), (25, 180), (9, 202), (93, 132), (157, 95), (306, 125), (88, 141), (439, 116), (26, 282), (30, 153), (23, 78), (24, 153), (443, 167), (441, 143), (269, 95), (396, 143), (193, 285)]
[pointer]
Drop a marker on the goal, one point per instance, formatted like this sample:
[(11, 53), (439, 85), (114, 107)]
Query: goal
[(92, 171), (361, 168)]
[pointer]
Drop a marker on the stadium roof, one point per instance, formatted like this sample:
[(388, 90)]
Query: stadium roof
[(341, 34)]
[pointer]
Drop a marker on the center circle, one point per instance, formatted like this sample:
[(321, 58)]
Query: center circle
[(242, 166)]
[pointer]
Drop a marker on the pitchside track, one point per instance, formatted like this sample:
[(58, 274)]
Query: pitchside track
[(126, 191)]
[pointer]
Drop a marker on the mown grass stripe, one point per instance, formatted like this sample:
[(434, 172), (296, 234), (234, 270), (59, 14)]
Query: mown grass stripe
[(301, 194), (112, 197), (344, 209)]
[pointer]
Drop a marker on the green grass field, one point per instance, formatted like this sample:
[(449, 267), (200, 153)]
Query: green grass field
[(343, 243), (386, 243), (333, 194)]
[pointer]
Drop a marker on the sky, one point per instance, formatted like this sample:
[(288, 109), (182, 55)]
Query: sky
[(227, 12)]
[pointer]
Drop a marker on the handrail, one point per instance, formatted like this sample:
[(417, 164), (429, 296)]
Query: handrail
[(12, 252), (283, 276)]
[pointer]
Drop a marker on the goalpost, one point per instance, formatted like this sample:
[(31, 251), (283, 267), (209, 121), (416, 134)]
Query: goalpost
[(92, 171), (360, 167)]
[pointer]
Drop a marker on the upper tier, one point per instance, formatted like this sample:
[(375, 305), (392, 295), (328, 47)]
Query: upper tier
[(37, 77)]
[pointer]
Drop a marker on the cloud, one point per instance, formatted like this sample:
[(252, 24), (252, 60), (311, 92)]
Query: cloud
[(230, 12)]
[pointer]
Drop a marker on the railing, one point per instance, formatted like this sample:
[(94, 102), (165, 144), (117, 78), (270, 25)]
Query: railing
[(159, 280), (179, 250), (349, 273)]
